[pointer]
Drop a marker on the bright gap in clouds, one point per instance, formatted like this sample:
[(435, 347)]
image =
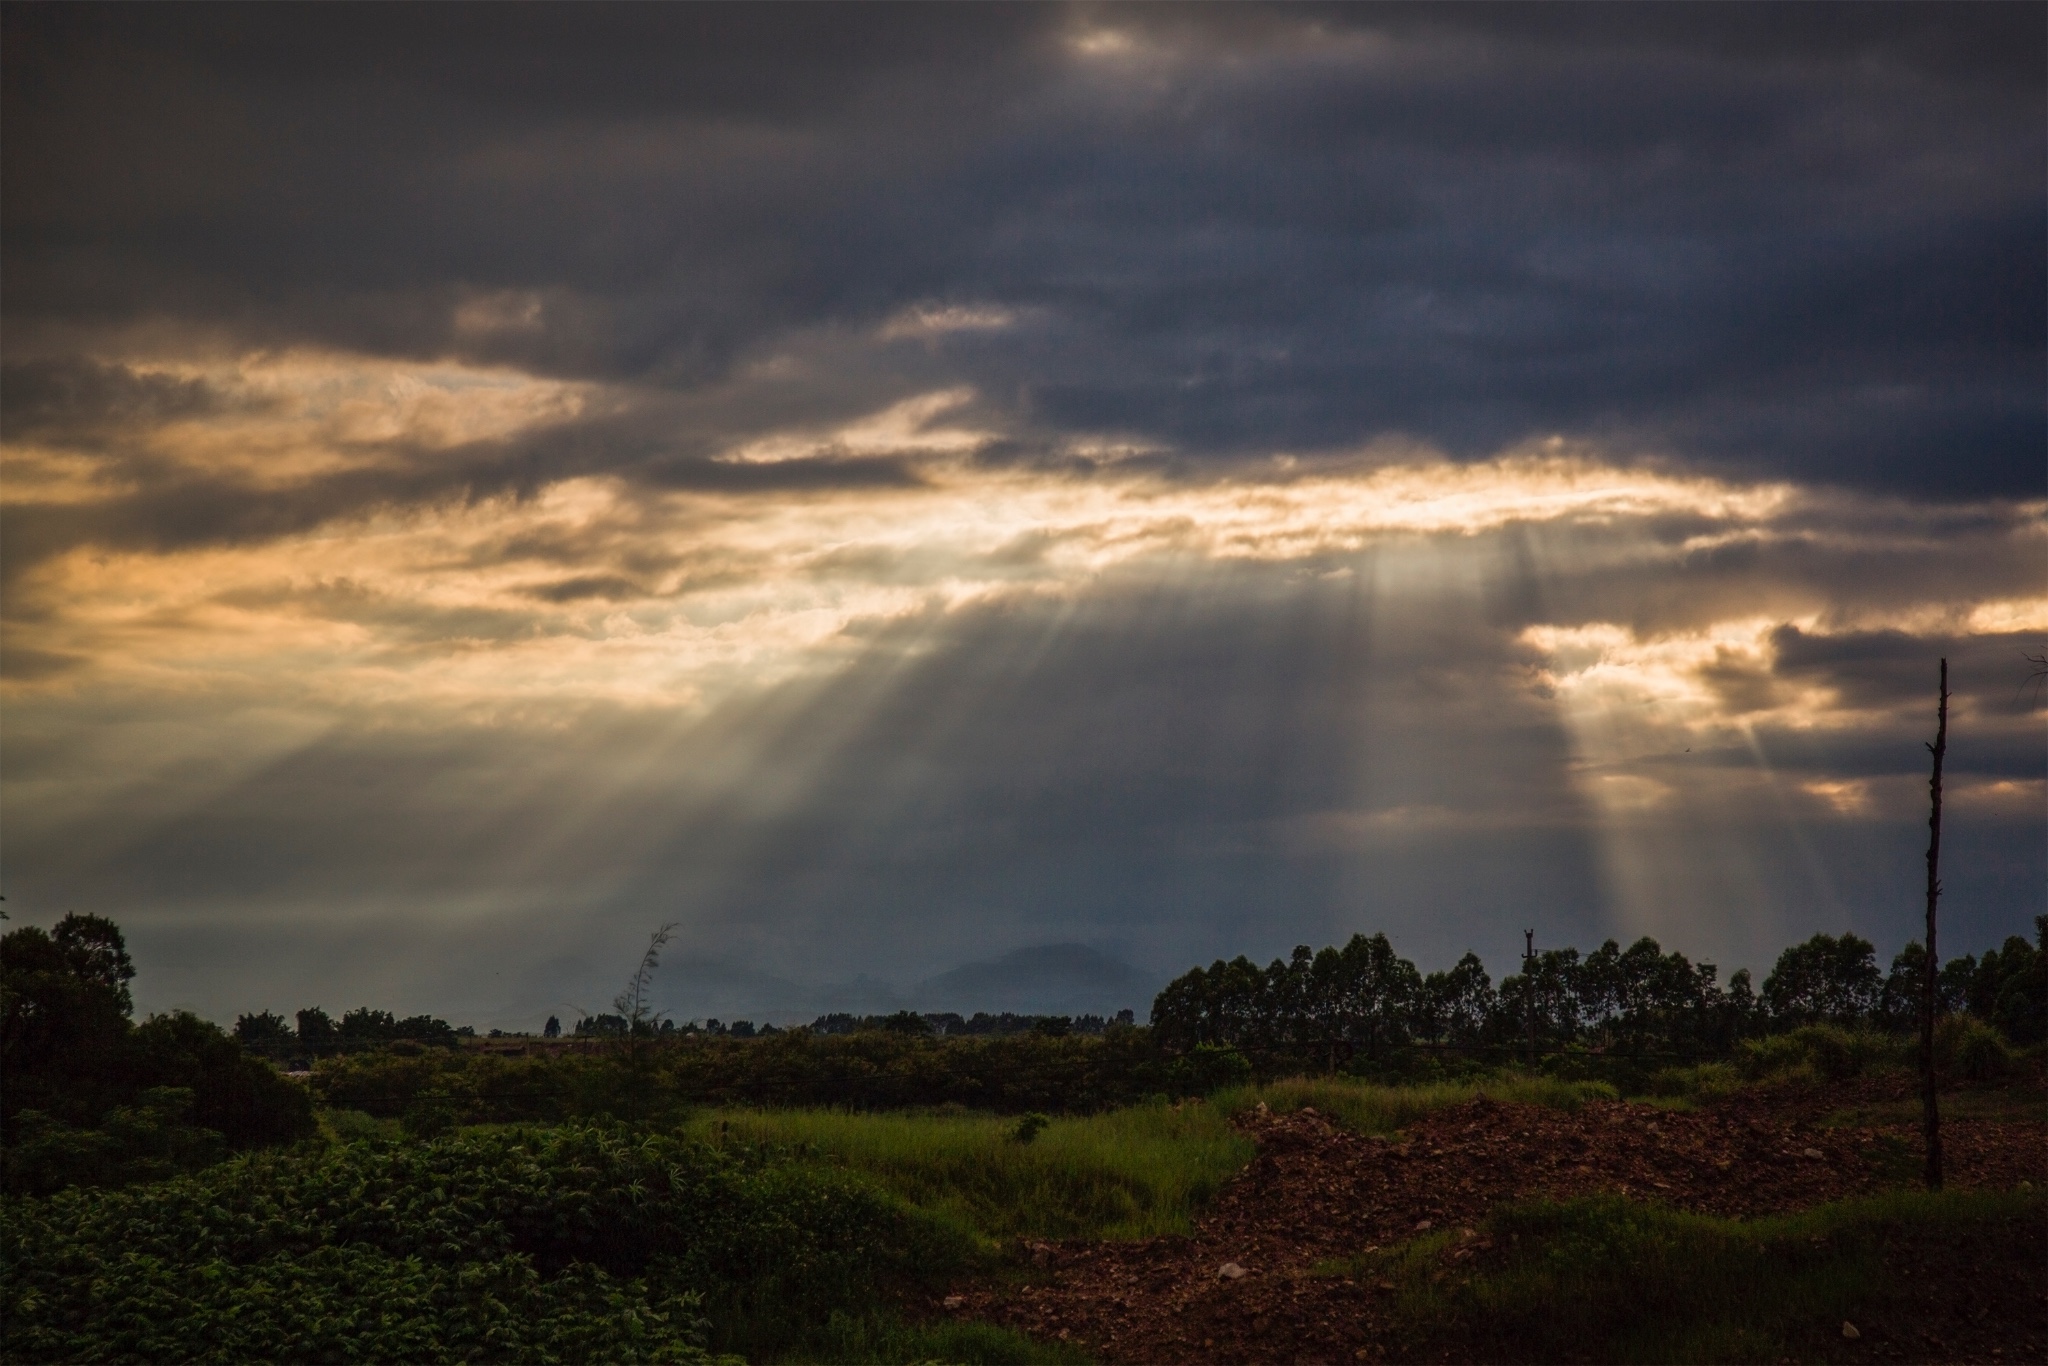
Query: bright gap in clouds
[(1388, 690)]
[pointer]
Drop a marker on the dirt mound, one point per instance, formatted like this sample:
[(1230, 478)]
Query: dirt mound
[(1240, 1288)]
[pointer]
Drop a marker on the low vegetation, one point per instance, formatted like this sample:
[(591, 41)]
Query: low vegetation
[(682, 1195), (90, 1097), (1368, 1108), (1129, 1173), (1608, 1279), (572, 1243)]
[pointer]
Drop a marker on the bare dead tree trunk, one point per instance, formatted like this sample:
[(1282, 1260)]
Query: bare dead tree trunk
[(1930, 1109), (1529, 989)]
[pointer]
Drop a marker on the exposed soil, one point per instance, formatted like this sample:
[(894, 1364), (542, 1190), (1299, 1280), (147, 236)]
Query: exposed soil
[(1240, 1289)]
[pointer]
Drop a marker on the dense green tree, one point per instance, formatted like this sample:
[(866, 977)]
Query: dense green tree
[(1378, 992), (317, 1033), (1899, 1002), (265, 1032), (64, 1008), (87, 1095), (237, 1096), (1457, 1005), (364, 1025), (1829, 979), (2010, 986)]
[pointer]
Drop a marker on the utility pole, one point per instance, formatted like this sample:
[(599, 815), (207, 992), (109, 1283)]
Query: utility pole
[(1529, 990), (1929, 1107)]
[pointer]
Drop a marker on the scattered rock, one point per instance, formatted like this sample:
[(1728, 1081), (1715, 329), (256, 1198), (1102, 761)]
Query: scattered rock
[(1849, 1330), (1425, 1225), (1231, 1271), (952, 1301), (1814, 1153)]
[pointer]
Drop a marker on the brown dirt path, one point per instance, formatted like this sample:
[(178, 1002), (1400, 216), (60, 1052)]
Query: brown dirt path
[(1314, 1192)]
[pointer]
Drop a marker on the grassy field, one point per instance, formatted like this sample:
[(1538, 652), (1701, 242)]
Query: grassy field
[(1129, 1173), (817, 1234), (1607, 1279), (1369, 1109), (1125, 1174)]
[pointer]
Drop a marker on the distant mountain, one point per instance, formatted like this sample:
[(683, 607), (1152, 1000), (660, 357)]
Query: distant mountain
[(1051, 979)]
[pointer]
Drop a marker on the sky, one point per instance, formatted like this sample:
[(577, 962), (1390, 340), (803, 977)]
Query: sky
[(915, 495)]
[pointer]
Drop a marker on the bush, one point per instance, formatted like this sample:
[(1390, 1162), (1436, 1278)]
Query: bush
[(580, 1242), (1825, 1051), (87, 1096), (1967, 1049), (1605, 1279), (1207, 1068), (1708, 1081), (239, 1096), (872, 1069), (145, 1142)]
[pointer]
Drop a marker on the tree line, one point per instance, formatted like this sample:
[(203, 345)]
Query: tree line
[(320, 1035), (89, 1096), (1337, 1005)]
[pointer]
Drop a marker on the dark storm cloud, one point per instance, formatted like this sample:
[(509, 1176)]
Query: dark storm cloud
[(1055, 663), (1873, 669), (1818, 556), (1800, 240), (72, 401)]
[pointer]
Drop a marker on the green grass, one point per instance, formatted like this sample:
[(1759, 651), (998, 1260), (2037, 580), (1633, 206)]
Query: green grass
[(1125, 1174), (1129, 1173), (2001, 1105), (1371, 1109), (886, 1341), (1605, 1279)]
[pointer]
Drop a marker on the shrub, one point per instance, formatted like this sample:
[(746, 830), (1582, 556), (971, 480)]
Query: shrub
[(1967, 1049), (1826, 1051), (447, 1248), (1605, 1279), (1207, 1068), (1708, 1081)]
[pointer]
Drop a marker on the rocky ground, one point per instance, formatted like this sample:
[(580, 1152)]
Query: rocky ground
[(1240, 1289)]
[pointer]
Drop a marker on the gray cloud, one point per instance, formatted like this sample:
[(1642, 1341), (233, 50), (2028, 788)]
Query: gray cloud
[(1757, 239), (1783, 243)]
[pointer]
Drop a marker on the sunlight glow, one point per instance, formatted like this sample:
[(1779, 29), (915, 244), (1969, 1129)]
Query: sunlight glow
[(598, 594)]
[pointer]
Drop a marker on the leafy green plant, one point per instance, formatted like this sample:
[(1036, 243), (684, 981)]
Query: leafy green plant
[(1826, 1051), (1967, 1049), (589, 1233), (1708, 1081), (1207, 1067)]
